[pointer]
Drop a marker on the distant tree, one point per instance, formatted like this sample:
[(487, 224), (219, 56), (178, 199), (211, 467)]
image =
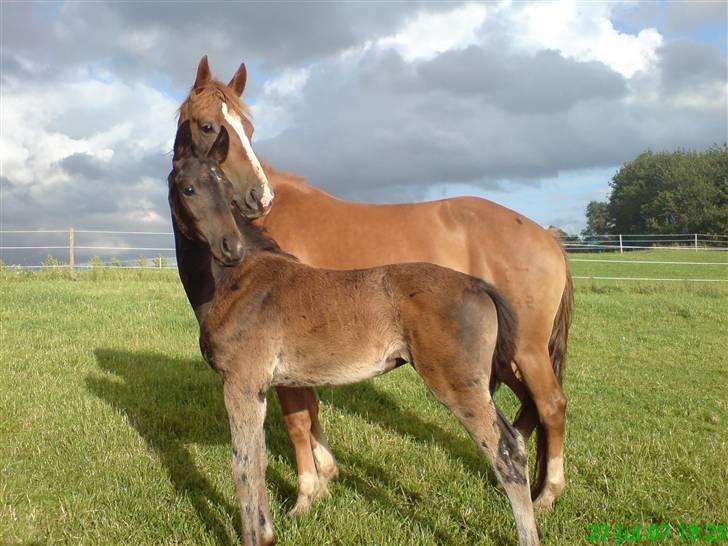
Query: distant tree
[(597, 219), (3, 265), (160, 261), (115, 262), (561, 234), (667, 192), (142, 262)]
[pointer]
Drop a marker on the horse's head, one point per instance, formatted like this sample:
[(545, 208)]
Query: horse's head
[(212, 105), (200, 196)]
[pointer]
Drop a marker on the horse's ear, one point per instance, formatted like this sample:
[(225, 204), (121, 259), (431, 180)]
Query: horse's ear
[(203, 73), (219, 150), (183, 142), (237, 84)]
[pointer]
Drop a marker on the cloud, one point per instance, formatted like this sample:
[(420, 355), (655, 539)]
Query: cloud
[(136, 41), (414, 101), (478, 116), (92, 151), (584, 31)]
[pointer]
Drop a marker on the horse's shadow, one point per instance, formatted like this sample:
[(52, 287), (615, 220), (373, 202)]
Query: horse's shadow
[(174, 402), (378, 407), (171, 403)]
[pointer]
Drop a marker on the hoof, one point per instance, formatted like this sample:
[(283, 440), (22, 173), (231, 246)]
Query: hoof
[(544, 503), (303, 505)]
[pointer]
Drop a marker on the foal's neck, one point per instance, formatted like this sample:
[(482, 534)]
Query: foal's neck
[(199, 272), (202, 276)]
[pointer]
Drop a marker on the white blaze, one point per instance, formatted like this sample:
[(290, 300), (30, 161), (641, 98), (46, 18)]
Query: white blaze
[(235, 122)]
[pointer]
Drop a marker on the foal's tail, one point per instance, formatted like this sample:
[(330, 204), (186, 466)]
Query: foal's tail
[(507, 340)]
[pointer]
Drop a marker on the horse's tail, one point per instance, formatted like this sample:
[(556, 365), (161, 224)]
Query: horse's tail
[(560, 333), (557, 351), (507, 340)]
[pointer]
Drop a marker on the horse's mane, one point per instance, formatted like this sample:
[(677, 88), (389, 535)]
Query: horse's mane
[(214, 90)]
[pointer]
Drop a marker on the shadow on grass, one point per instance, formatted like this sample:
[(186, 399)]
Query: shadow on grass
[(173, 402), (377, 407)]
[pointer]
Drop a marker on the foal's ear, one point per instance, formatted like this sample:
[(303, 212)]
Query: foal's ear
[(237, 84), (219, 150), (183, 142), (203, 73)]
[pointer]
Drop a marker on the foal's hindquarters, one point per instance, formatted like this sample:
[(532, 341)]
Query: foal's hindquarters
[(307, 327)]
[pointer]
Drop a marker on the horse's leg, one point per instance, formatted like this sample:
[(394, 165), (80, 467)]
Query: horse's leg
[(470, 401), (550, 403), (322, 454), (246, 411), (297, 410)]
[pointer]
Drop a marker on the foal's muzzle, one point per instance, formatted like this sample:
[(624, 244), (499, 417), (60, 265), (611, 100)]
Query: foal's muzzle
[(231, 250)]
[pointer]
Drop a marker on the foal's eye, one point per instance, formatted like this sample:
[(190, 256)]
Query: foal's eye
[(207, 128), (188, 190)]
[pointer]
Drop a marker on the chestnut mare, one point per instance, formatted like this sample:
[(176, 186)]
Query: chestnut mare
[(276, 321), (468, 234)]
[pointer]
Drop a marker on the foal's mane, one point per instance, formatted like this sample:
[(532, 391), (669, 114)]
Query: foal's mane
[(257, 239), (213, 90)]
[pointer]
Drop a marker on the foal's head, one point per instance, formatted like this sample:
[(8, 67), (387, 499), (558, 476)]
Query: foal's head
[(200, 197)]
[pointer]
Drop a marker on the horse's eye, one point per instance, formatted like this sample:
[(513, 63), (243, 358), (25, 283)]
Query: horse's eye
[(207, 128), (188, 190)]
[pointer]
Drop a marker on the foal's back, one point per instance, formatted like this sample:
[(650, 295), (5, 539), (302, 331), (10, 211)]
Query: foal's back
[(331, 327)]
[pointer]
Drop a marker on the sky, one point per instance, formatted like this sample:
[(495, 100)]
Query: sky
[(534, 105)]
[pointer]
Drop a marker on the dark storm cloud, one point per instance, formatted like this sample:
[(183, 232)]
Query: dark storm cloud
[(83, 164), (138, 40), (474, 116), (543, 82), (688, 65)]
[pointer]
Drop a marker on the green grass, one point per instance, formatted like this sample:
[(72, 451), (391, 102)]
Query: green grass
[(113, 430), (713, 264)]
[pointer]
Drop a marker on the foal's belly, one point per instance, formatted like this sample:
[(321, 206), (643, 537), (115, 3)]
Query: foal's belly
[(324, 368)]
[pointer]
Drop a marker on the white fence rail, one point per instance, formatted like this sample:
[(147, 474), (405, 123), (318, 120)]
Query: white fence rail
[(16, 251), (669, 241)]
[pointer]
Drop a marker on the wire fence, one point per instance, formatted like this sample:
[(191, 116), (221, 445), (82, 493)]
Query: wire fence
[(113, 249)]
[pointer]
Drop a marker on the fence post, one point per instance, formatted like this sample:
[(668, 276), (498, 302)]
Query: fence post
[(696, 242), (71, 253), (620, 244)]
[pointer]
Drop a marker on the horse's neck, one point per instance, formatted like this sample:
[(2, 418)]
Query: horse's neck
[(199, 272), (288, 185)]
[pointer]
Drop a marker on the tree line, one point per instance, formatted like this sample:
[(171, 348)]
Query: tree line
[(665, 192)]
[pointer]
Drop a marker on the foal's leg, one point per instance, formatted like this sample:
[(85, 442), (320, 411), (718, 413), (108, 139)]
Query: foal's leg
[(550, 403), (246, 411), (470, 401), (297, 410)]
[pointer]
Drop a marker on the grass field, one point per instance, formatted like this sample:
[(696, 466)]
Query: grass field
[(113, 430)]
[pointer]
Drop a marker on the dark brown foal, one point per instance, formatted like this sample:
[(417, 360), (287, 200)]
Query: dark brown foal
[(274, 321)]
